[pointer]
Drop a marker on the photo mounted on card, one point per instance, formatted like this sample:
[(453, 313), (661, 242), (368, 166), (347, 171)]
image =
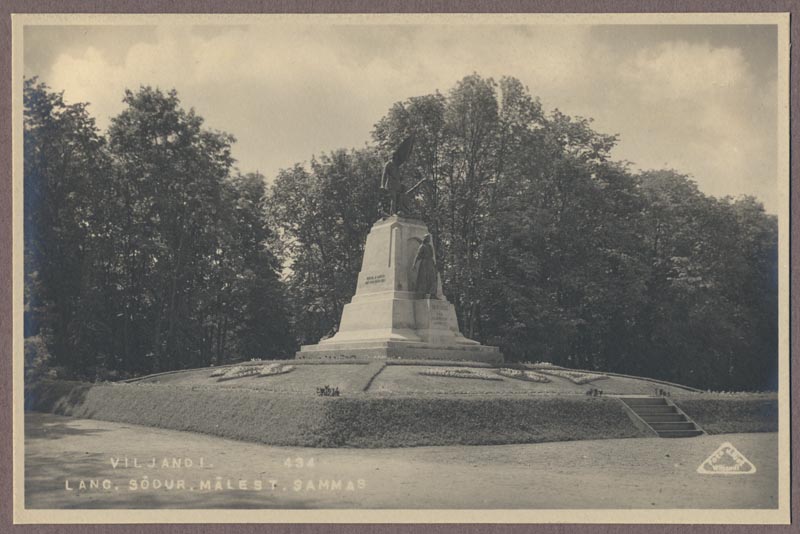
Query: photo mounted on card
[(483, 268)]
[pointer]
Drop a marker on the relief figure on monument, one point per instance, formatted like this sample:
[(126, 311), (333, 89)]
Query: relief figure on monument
[(425, 269)]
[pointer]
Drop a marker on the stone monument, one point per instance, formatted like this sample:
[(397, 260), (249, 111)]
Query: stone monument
[(399, 310)]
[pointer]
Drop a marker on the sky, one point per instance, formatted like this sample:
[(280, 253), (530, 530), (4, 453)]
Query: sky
[(699, 99)]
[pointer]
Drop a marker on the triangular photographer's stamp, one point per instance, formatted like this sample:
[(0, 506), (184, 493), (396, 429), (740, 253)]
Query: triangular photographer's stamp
[(726, 460)]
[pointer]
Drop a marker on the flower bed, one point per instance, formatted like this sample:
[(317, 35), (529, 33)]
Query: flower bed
[(576, 377), (530, 376), (460, 372), (274, 369), (240, 371), (437, 363)]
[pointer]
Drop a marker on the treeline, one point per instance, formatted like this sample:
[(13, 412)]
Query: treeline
[(156, 255), (144, 251), (546, 247)]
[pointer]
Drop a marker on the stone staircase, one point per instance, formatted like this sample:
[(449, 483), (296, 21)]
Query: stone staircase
[(661, 417)]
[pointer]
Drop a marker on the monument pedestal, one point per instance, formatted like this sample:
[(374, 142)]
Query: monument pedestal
[(387, 318)]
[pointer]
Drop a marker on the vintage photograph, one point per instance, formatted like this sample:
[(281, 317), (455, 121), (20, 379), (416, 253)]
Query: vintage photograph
[(401, 268)]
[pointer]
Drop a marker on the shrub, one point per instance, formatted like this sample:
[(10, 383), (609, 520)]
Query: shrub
[(38, 361), (328, 391)]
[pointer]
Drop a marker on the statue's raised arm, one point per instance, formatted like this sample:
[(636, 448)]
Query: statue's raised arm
[(392, 181)]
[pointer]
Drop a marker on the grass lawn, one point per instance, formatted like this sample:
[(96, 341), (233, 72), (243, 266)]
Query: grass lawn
[(400, 377), (387, 406), (407, 379), (304, 378)]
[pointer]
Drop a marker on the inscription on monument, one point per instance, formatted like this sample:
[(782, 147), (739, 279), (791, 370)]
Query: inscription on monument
[(440, 318), (375, 279)]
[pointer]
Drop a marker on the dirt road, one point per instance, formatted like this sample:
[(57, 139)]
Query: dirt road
[(81, 463)]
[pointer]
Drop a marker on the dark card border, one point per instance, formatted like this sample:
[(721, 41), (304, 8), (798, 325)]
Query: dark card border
[(7, 7)]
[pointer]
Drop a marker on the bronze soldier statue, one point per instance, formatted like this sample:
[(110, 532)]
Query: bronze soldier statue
[(392, 181)]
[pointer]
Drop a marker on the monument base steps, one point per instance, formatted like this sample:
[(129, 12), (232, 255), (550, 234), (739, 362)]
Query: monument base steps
[(661, 417)]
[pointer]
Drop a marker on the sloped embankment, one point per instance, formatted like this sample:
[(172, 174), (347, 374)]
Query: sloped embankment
[(732, 413), (358, 420)]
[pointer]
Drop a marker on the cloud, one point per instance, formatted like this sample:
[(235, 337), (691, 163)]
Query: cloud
[(680, 70), (292, 90), (703, 112)]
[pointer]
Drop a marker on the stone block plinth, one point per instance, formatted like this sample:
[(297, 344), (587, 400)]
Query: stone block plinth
[(387, 318)]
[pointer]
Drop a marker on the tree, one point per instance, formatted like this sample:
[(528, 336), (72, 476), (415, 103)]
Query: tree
[(256, 312), (323, 216), (65, 164), (457, 156), (710, 315), (144, 252), (553, 251), (170, 175)]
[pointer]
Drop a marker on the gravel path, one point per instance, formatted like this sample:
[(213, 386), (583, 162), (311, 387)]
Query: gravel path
[(644, 473)]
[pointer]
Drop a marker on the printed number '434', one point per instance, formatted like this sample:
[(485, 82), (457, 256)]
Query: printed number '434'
[(298, 463)]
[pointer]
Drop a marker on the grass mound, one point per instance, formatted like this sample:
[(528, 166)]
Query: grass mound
[(384, 406), (304, 377), (407, 379), (417, 421), (355, 421), (244, 414), (413, 376)]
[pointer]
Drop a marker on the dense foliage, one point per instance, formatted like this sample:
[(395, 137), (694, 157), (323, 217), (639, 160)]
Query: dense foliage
[(546, 247), (146, 251)]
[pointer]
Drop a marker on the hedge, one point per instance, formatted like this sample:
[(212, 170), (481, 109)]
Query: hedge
[(369, 420), (733, 413), (359, 420)]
